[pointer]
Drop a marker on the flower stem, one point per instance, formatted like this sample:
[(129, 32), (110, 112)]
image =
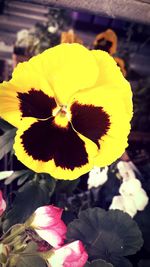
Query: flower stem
[(15, 232)]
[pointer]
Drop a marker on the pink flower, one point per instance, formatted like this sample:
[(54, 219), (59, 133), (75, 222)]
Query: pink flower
[(70, 255), (2, 203), (49, 226)]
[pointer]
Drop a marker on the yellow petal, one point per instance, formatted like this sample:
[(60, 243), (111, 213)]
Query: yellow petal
[(69, 68), (113, 141), (111, 75), (9, 104), (29, 75), (10, 107)]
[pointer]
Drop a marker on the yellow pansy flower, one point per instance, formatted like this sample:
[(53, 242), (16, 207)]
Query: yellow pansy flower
[(72, 108)]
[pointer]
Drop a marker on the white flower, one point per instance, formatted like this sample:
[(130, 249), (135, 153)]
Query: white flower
[(126, 170), (129, 205), (130, 187), (132, 196), (125, 204), (97, 177), (140, 199)]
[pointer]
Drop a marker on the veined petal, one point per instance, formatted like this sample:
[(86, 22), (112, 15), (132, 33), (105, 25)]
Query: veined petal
[(102, 117), (67, 67), (64, 67), (17, 103), (9, 104), (45, 147), (29, 75)]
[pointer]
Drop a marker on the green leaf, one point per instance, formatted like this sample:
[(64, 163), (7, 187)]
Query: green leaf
[(30, 196), (98, 263), (31, 247), (18, 174), (24, 177), (67, 186), (6, 142), (143, 220), (107, 235), (47, 181), (5, 126), (123, 262), (30, 258), (30, 261)]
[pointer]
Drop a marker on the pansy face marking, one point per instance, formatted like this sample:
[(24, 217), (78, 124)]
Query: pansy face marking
[(45, 138), (72, 108), (90, 121), (52, 135), (36, 104)]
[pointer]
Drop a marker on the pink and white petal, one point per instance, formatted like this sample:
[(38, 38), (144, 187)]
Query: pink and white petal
[(51, 237), (2, 203)]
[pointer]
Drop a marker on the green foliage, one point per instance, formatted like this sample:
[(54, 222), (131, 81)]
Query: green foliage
[(143, 220), (30, 196), (22, 176), (6, 142), (7, 138), (5, 126), (66, 187), (30, 261), (98, 263), (108, 235), (30, 257)]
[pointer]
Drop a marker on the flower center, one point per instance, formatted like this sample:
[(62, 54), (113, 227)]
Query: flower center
[(62, 116)]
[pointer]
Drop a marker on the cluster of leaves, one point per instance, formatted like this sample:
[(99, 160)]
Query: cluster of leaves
[(108, 236)]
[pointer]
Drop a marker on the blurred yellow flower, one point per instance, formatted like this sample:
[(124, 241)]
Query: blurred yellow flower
[(72, 108)]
